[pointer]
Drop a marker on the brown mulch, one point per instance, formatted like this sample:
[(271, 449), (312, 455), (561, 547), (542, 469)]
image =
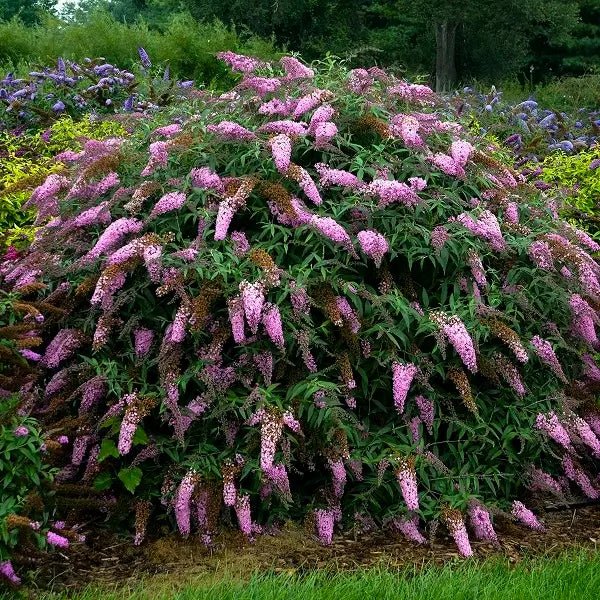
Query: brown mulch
[(105, 559)]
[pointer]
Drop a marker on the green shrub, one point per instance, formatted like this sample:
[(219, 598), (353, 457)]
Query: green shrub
[(325, 301), (186, 45)]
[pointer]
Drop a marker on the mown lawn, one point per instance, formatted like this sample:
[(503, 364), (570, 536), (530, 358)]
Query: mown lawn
[(570, 576)]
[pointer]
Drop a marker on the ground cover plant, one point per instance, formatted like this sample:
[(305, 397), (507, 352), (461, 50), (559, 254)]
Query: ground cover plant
[(313, 297)]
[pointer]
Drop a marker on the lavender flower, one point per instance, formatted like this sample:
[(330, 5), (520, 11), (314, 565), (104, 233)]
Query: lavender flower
[(144, 58)]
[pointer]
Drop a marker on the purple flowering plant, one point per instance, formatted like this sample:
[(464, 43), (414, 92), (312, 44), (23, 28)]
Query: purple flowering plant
[(72, 88), (261, 318)]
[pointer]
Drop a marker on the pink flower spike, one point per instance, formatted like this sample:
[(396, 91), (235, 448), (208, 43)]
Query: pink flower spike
[(409, 527), (231, 131), (481, 523), (183, 499), (373, 244), (271, 319), (525, 516), (281, 149), (324, 523), (461, 152), (169, 202), (253, 299), (294, 69), (7, 571), (402, 377), (57, 540)]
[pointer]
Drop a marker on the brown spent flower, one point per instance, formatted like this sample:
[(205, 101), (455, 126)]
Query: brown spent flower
[(508, 336), (325, 299), (276, 193), (370, 123), (461, 381)]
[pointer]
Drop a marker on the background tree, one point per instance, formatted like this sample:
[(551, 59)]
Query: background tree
[(27, 10), (478, 38)]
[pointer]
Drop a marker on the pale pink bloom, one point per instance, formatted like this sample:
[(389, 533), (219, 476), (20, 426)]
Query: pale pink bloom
[(373, 244), (169, 202), (253, 299), (239, 62), (551, 425), (228, 130), (324, 133), (287, 127), (329, 177), (458, 531), (57, 540), (407, 480), (271, 319), (7, 571), (182, 504), (324, 523), (461, 152), (390, 191), (480, 521), (402, 377), (205, 178)]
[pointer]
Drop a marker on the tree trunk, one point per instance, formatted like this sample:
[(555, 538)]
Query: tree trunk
[(445, 63)]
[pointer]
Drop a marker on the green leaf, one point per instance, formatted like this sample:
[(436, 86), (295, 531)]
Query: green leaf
[(104, 481), (131, 478), (140, 437), (107, 448)]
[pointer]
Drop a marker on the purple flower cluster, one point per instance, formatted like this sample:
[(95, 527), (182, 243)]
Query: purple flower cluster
[(182, 503), (458, 531), (486, 226), (230, 131), (409, 527), (62, 347), (407, 480), (281, 148), (481, 522)]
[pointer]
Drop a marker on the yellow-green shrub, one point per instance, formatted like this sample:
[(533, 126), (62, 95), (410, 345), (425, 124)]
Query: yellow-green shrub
[(28, 159), (580, 183)]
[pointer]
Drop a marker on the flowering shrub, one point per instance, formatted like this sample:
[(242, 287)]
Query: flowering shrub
[(312, 297), (27, 158)]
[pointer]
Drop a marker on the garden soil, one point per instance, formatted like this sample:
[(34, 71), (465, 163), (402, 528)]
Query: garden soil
[(106, 560)]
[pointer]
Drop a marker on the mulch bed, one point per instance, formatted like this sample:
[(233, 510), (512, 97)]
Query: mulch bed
[(106, 559)]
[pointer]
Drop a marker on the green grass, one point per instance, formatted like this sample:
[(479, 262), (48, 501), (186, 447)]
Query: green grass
[(570, 576)]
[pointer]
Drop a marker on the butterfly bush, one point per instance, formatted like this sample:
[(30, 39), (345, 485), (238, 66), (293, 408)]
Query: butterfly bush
[(261, 324)]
